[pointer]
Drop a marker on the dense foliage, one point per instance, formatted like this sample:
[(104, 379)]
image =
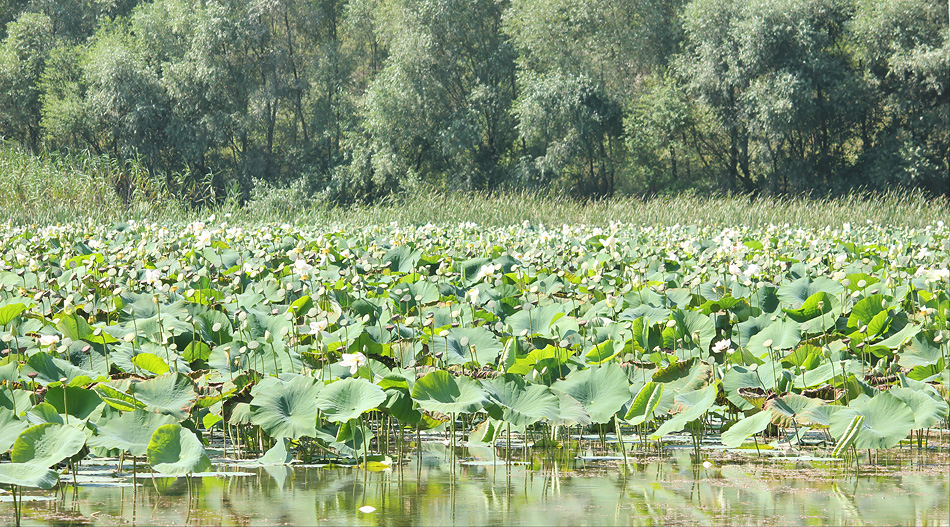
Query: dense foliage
[(146, 341), (360, 98)]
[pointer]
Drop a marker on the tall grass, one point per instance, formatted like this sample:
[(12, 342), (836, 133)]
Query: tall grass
[(903, 208), (51, 188)]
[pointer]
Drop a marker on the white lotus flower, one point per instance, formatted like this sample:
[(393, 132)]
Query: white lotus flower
[(353, 361), (153, 277), (301, 266), (48, 340), (366, 509), (318, 326), (204, 238), (472, 295), (485, 272), (722, 346)]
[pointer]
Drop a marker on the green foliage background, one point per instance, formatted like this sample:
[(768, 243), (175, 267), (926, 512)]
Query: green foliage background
[(349, 100)]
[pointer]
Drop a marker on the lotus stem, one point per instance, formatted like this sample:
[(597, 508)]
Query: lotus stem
[(623, 449)]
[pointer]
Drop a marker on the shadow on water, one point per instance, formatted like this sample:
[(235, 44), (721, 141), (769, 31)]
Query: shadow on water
[(562, 487)]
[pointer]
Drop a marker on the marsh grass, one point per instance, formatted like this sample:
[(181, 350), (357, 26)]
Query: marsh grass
[(52, 188)]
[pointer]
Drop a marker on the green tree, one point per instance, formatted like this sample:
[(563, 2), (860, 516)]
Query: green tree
[(778, 77), (903, 49), (572, 132), (666, 133), (440, 110), (23, 56), (580, 66)]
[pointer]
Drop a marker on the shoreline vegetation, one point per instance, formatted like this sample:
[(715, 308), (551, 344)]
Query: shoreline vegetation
[(53, 188)]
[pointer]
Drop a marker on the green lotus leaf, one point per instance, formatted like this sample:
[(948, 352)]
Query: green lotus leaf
[(689, 407), (76, 328), (749, 426), (401, 259), (693, 330), (602, 352), (551, 357), (796, 294), (9, 312), (349, 398), (151, 363), (47, 444), (17, 401), (745, 377), (570, 411), (76, 402), (196, 350), (521, 404), (172, 394), (277, 454), (439, 391), (43, 413), (684, 376), (920, 352), (792, 409), (286, 408), (399, 404), (928, 410), (130, 431), (119, 400), (645, 403), (887, 420), (820, 311), (49, 370), (535, 321), (779, 335), (176, 451), (864, 312), (466, 344), (28, 475), (603, 390), (10, 429)]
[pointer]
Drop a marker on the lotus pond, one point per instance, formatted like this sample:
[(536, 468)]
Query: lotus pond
[(474, 375)]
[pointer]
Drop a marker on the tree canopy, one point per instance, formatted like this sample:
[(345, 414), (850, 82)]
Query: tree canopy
[(354, 99)]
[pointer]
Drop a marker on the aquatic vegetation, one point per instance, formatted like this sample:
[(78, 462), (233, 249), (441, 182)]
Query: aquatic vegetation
[(147, 340)]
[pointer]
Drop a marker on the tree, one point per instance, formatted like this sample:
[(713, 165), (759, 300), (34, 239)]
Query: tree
[(439, 111), (902, 47), (23, 55), (572, 131), (778, 78)]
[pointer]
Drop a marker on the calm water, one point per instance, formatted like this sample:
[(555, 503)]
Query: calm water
[(434, 491)]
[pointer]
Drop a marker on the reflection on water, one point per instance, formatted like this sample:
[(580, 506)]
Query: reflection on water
[(434, 491)]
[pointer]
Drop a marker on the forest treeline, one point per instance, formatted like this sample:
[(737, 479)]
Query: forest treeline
[(361, 98)]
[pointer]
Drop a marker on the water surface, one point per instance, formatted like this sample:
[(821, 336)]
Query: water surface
[(580, 490)]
